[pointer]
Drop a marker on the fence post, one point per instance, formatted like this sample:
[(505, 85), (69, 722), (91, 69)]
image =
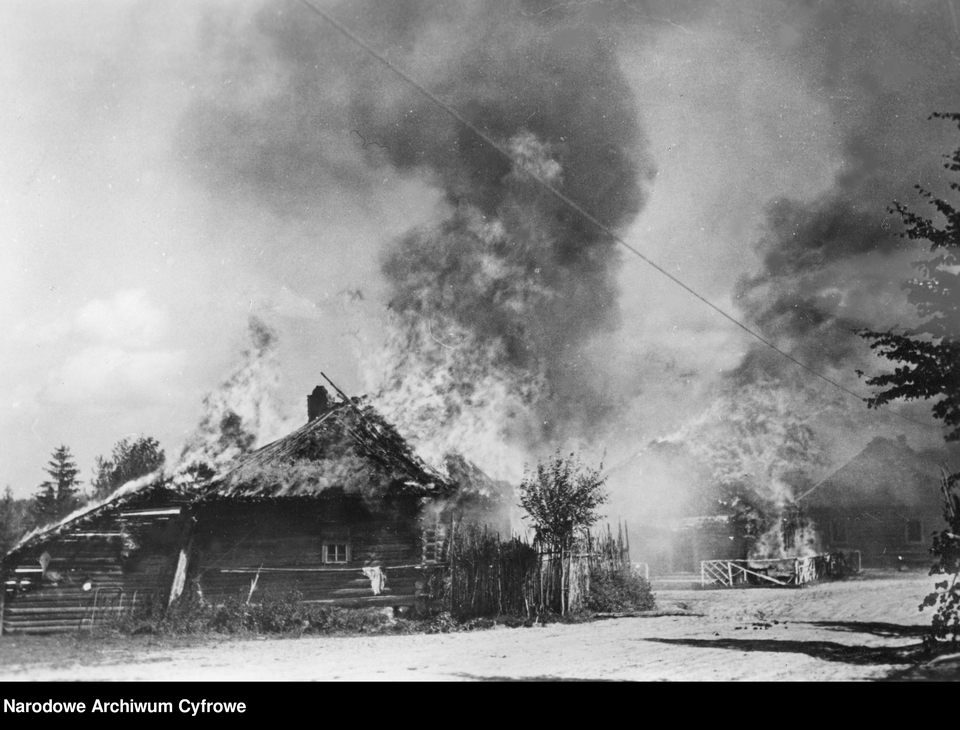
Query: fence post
[(3, 592), (563, 591)]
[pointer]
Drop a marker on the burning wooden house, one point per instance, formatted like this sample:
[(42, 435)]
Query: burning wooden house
[(884, 503), (341, 511)]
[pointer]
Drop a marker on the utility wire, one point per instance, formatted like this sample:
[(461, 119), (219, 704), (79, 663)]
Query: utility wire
[(579, 209)]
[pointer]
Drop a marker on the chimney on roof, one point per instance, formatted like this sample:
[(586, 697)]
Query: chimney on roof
[(318, 403)]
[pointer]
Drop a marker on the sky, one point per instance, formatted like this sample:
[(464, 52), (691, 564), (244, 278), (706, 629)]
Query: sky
[(173, 169)]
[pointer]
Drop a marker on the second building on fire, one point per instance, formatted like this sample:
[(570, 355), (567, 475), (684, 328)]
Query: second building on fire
[(884, 505), (341, 511)]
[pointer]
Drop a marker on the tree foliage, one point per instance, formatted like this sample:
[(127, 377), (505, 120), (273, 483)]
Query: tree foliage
[(58, 495), (13, 520), (929, 354), (130, 460), (561, 496), (945, 599)]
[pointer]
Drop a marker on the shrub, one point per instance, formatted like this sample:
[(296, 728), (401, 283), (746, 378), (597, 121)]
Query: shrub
[(433, 593), (946, 547), (279, 613), (618, 591)]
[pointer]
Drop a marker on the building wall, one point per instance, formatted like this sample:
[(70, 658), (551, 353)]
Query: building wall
[(885, 537), (115, 558), (317, 548)]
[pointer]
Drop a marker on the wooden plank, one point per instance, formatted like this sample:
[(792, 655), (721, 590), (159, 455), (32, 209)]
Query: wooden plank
[(764, 577), (3, 595), (66, 610), (370, 601), (360, 591), (386, 566)]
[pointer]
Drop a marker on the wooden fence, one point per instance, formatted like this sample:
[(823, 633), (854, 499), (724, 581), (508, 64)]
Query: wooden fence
[(488, 576), (779, 571)]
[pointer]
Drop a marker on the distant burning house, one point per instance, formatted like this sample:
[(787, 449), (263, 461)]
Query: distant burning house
[(885, 502), (340, 511)]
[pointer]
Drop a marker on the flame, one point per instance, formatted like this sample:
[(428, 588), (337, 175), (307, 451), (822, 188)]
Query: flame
[(760, 450), (243, 413)]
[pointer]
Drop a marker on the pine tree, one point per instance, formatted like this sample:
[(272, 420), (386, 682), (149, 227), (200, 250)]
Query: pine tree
[(57, 496), (9, 524)]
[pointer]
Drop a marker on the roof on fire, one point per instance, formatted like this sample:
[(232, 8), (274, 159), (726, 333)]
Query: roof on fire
[(349, 446)]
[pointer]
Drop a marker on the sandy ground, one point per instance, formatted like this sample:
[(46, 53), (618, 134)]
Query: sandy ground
[(864, 628)]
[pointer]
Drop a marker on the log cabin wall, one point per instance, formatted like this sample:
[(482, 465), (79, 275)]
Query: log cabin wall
[(886, 537), (107, 562), (317, 547)]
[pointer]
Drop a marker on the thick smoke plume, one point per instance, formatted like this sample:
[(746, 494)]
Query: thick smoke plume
[(834, 263), (493, 302)]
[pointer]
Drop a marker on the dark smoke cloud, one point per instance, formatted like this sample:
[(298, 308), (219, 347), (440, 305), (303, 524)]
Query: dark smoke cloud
[(834, 264), (796, 297), (513, 271), (513, 278)]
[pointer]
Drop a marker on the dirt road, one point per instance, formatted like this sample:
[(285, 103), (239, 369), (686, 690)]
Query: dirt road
[(855, 629)]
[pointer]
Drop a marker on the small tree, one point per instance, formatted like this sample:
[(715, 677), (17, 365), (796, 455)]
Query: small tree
[(928, 358), (561, 496), (928, 354), (57, 496), (130, 460)]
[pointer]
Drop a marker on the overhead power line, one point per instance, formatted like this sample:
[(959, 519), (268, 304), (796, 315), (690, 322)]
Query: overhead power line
[(357, 40)]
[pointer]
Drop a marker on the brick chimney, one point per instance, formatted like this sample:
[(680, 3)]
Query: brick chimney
[(318, 403)]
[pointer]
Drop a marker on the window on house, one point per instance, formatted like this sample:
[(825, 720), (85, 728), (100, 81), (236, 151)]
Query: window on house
[(914, 531), (336, 543), (336, 552), (838, 531)]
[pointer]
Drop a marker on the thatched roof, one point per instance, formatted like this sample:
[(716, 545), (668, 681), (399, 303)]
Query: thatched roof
[(350, 447), (151, 487), (887, 473)]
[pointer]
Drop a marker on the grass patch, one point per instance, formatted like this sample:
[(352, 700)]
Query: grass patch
[(84, 648)]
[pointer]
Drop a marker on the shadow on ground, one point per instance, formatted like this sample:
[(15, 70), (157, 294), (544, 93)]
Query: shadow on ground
[(826, 650), (877, 628), (545, 678), (943, 670)]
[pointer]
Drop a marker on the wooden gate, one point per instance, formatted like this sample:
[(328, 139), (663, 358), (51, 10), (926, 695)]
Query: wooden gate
[(778, 571)]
